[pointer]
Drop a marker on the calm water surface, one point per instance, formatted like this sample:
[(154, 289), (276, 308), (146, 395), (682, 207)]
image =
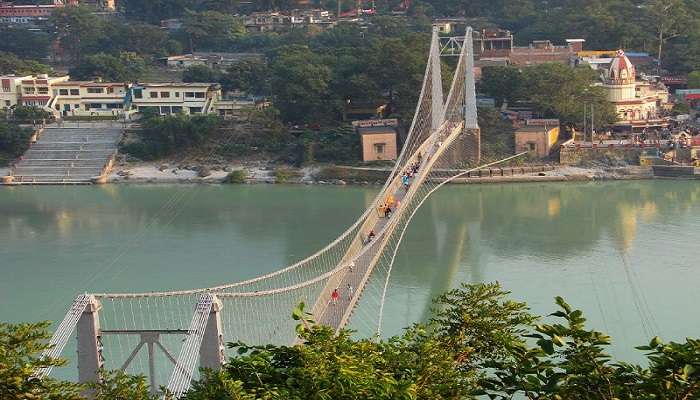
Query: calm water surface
[(624, 252)]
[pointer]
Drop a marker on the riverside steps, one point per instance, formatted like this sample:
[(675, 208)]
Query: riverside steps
[(68, 155)]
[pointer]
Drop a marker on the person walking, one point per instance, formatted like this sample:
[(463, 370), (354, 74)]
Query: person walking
[(350, 291), (351, 266), (387, 212), (334, 296)]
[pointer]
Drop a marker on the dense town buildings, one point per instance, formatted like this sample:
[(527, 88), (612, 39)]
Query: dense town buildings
[(11, 13)]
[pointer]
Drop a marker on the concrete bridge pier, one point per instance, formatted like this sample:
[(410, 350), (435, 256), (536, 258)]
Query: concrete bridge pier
[(211, 353), (90, 359)]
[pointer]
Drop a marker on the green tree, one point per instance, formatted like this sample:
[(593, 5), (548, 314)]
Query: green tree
[(164, 136), (125, 68), (561, 92), (77, 30), (250, 76), (300, 85), (694, 80), (502, 83), (20, 357), (14, 141), (200, 73), (11, 64), (211, 30), (24, 43)]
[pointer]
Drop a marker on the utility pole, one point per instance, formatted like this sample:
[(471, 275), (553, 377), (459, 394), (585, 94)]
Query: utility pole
[(584, 122), (339, 9)]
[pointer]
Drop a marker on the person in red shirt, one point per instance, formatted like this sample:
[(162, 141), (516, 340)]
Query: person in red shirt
[(334, 296)]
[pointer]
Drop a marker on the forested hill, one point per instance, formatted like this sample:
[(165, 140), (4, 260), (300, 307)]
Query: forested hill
[(640, 25)]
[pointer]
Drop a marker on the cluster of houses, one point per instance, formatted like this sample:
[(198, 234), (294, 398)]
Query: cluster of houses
[(64, 98), (11, 13)]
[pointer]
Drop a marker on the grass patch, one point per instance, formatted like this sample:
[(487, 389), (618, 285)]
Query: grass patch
[(237, 177)]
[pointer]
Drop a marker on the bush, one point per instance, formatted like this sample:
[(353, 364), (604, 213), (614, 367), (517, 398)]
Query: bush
[(164, 136), (283, 175), (14, 141), (237, 177), (30, 113)]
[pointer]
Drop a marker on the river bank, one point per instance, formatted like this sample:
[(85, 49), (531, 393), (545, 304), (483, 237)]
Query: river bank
[(164, 173)]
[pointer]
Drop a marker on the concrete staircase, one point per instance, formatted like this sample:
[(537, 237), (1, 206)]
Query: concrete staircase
[(68, 156)]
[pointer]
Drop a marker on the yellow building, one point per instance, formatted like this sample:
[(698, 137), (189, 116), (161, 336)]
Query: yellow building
[(86, 98), (378, 143), (538, 137)]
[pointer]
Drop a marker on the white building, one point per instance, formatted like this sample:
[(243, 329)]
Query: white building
[(10, 90), (171, 98), (87, 98)]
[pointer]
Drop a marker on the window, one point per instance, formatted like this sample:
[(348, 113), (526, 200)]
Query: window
[(379, 148), (7, 103), (176, 109), (95, 106), (110, 90), (95, 90), (165, 95), (199, 95), (154, 95), (29, 90), (531, 146), (195, 110), (63, 92), (75, 92), (43, 90), (138, 93), (112, 106), (176, 94), (189, 94), (165, 110)]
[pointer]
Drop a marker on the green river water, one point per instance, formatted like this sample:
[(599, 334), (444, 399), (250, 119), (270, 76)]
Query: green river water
[(625, 252)]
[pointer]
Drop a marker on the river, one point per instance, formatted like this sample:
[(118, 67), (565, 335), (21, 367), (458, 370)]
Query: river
[(624, 252)]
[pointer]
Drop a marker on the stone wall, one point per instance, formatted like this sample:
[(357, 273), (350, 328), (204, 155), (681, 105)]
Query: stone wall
[(570, 155)]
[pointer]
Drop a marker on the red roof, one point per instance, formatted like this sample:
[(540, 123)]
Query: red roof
[(692, 96)]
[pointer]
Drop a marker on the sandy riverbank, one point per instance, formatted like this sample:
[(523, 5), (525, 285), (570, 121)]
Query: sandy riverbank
[(156, 173)]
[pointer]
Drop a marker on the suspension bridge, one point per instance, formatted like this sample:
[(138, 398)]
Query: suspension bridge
[(168, 336)]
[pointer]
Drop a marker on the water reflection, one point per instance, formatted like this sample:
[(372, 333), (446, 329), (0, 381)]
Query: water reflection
[(540, 240)]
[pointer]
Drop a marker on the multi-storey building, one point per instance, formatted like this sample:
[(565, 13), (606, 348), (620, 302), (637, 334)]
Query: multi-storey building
[(171, 98), (10, 89), (36, 90), (87, 98)]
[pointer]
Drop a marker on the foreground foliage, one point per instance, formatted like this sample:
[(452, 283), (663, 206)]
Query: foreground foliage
[(14, 141), (479, 344)]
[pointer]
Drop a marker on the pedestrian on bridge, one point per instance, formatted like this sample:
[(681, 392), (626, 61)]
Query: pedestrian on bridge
[(351, 266), (334, 296), (350, 291), (387, 212)]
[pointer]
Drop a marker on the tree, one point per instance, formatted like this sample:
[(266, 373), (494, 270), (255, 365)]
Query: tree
[(77, 30), (14, 141), (300, 85), (11, 64), (250, 76), (669, 18), (694, 80), (164, 136), (502, 83), (561, 92), (125, 68), (24, 43), (20, 357), (211, 30), (200, 73)]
